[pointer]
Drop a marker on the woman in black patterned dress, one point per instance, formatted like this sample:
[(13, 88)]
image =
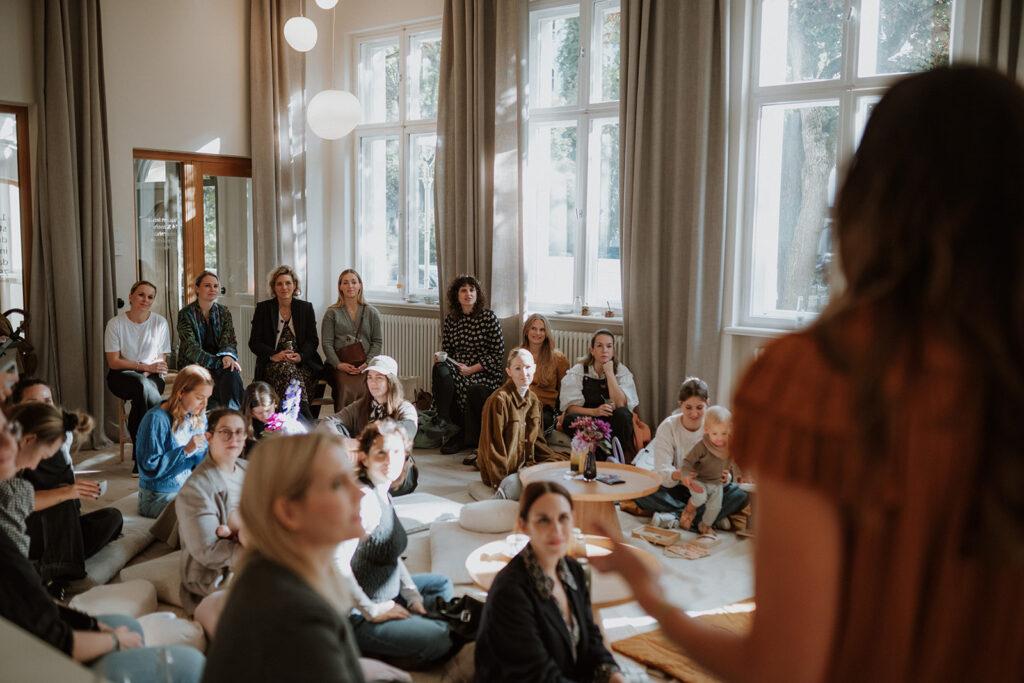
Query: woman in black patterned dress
[(474, 365)]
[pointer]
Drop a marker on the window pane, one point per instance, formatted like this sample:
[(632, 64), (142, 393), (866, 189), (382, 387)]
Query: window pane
[(899, 36), (554, 211), (209, 223), (158, 206), (422, 248), (865, 105), (605, 64), (378, 210), (424, 72), (605, 283), (555, 57), (379, 80), (796, 158), (12, 282), (801, 40)]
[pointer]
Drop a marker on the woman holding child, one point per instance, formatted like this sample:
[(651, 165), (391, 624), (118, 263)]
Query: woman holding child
[(887, 436)]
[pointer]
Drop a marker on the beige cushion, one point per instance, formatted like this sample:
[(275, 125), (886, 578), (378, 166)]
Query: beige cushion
[(133, 598), (163, 572), (493, 516), (450, 545), (165, 628)]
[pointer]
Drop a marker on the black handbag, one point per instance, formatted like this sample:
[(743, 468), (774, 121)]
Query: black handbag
[(462, 614)]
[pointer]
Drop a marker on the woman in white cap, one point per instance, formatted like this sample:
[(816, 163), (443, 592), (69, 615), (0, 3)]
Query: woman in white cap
[(384, 400)]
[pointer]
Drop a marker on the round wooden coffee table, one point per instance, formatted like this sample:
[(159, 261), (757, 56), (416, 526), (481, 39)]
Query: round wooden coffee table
[(607, 590), (594, 502)]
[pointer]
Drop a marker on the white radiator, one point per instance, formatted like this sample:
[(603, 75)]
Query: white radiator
[(576, 344), (412, 342)]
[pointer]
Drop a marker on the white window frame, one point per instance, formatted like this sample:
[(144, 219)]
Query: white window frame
[(583, 114), (404, 129), (847, 89)]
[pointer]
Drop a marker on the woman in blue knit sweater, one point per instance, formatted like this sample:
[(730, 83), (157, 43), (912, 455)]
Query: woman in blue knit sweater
[(172, 440)]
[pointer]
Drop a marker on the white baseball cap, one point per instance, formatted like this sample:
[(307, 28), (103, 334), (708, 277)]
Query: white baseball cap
[(386, 365)]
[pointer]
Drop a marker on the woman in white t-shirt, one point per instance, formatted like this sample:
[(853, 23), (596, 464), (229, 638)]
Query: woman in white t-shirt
[(136, 344), (676, 436)]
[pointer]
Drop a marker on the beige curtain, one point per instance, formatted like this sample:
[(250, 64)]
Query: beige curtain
[(673, 156), (278, 126), (72, 287), (1001, 30), (478, 171)]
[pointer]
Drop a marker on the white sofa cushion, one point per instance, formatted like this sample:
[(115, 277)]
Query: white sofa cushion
[(133, 598), (493, 516), (164, 573), (165, 628)]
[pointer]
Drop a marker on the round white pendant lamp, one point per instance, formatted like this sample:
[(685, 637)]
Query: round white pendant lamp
[(300, 33), (326, 4), (332, 114)]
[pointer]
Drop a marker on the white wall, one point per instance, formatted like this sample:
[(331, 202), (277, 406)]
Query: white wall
[(329, 163), (16, 76), (177, 79)]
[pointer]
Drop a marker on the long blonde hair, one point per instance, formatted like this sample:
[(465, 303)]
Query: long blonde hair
[(189, 377), (341, 297), (282, 467), (547, 347)]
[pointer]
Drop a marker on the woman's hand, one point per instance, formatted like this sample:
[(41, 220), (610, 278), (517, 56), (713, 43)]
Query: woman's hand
[(223, 531), (195, 443), (616, 678), (468, 370), (82, 489), (157, 368), (349, 368), (604, 410), (230, 363), (418, 608), (128, 638), (608, 368), (396, 613), (279, 357)]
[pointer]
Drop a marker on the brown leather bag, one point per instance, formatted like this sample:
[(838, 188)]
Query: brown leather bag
[(641, 435), (354, 353)]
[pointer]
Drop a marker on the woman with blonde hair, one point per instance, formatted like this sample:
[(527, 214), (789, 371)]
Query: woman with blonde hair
[(286, 613), (172, 440), (283, 337), (352, 334), (551, 365)]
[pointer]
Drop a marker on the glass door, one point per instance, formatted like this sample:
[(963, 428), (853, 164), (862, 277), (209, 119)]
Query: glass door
[(194, 213)]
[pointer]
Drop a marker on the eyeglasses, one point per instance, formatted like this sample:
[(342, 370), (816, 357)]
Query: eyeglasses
[(13, 427), (228, 433)]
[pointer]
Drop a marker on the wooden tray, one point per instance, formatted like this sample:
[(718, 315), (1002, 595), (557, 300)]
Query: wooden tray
[(656, 535)]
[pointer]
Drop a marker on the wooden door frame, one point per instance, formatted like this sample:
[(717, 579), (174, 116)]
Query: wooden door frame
[(193, 166), (24, 192)]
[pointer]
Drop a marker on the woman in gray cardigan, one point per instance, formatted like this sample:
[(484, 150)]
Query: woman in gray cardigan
[(206, 510), (352, 335)]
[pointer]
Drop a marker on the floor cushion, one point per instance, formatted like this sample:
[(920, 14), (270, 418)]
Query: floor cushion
[(489, 516), (112, 558), (133, 598), (450, 545), (165, 628), (163, 572), (417, 511)]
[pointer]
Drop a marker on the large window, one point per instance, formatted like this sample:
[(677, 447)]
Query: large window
[(395, 146), (572, 184), (15, 207), (818, 68)]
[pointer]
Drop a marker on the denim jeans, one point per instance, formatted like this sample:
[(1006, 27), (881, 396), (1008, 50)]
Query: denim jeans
[(177, 663), (415, 642), (674, 499), (62, 540), (151, 503)]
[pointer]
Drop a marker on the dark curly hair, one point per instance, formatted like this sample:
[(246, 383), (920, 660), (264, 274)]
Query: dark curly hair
[(454, 307)]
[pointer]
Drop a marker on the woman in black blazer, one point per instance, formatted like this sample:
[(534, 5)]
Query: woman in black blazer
[(537, 624), (284, 339)]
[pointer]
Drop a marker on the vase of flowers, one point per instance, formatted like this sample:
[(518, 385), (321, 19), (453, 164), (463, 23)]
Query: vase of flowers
[(286, 420), (591, 435)]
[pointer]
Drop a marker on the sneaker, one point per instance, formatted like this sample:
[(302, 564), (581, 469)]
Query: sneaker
[(470, 460), (135, 469), (58, 589), (724, 524), (665, 520), (453, 445)]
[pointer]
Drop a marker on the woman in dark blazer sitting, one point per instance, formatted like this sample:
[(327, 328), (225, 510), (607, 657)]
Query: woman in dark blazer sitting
[(284, 338), (537, 624)]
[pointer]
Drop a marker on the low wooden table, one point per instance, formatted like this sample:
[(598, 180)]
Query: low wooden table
[(594, 502), (607, 590)]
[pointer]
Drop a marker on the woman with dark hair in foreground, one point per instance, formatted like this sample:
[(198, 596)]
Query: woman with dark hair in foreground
[(887, 438)]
